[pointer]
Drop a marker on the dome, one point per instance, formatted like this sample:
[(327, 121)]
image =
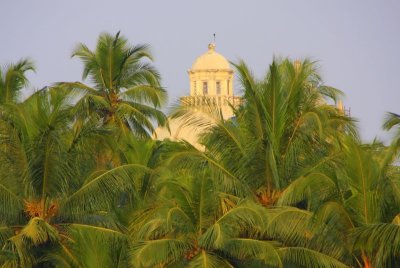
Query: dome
[(211, 60)]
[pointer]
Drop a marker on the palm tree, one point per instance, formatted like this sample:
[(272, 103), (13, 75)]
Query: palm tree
[(53, 193), (126, 89), (284, 135), (284, 130), (195, 223), (13, 79), (360, 198), (371, 182), (290, 122)]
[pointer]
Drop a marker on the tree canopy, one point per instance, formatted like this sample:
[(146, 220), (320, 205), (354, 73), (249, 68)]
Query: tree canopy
[(286, 182)]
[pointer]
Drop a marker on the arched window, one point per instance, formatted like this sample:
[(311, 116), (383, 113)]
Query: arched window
[(218, 87), (205, 88)]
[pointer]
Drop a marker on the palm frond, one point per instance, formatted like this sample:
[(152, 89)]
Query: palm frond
[(146, 94), (100, 191), (12, 204), (391, 120), (5, 233), (196, 160), (313, 186), (251, 249), (93, 246), (13, 79), (308, 258), (289, 225), (158, 252), (209, 260), (379, 240)]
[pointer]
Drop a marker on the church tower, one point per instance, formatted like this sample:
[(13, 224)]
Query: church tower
[(211, 81), (211, 75), (210, 84)]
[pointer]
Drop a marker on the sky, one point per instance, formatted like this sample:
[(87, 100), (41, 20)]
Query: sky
[(356, 43)]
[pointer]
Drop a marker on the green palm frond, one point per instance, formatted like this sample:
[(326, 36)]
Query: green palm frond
[(76, 89), (313, 186), (37, 232), (303, 257), (158, 252), (245, 217), (86, 133), (5, 233), (365, 177), (11, 204), (87, 56), (140, 114), (380, 240), (154, 228), (100, 191), (140, 218), (299, 228), (335, 215), (37, 235), (97, 247), (196, 160), (140, 74), (391, 121), (208, 260), (204, 116), (246, 249), (331, 92), (289, 225), (13, 79), (146, 94), (215, 236)]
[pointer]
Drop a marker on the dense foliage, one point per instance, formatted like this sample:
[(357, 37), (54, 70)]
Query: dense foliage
[(286, 182)]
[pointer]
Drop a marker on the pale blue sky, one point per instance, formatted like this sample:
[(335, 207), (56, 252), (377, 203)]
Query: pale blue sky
[(357, 43)]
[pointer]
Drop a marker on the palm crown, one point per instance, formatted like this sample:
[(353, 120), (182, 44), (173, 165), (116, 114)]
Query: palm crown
[(126, 89), (13, 79)]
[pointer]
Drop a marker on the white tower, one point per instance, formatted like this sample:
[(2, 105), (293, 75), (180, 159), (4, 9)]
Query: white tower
[(211, 83)]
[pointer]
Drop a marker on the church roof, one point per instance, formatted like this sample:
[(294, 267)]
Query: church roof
[(211, 60)]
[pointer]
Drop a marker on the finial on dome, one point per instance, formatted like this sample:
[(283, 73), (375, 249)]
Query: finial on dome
[(211, 47)]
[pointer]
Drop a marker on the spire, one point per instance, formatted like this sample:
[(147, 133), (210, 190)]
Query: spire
[(211, 46)]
